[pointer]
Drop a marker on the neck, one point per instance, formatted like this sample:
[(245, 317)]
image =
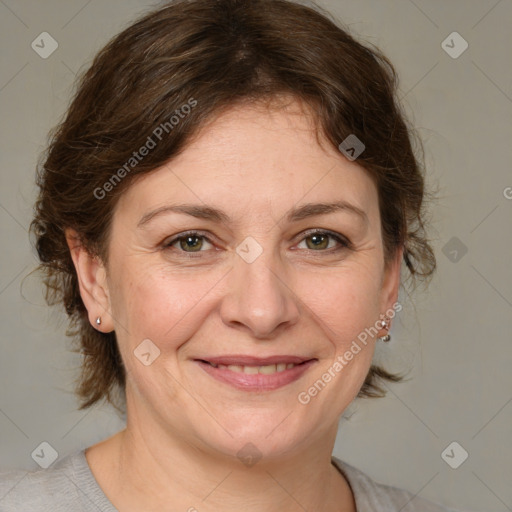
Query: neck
[(142, 472)]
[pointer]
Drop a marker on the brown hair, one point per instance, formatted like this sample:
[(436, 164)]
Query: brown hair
[(210, 54)]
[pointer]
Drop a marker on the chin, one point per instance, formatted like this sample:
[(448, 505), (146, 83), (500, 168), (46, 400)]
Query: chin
[(256, 436)]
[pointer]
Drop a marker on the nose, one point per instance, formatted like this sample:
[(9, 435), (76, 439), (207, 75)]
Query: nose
[(259, 299)]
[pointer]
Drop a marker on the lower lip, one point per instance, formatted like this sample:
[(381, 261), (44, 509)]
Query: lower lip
[(256, 381)]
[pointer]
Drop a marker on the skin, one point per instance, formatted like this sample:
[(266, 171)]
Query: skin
[(184, 428)]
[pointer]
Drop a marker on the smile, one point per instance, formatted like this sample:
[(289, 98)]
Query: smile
[(251, 370), (247, 375)]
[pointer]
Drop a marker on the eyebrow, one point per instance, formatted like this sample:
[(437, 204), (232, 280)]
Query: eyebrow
[(216, 215)]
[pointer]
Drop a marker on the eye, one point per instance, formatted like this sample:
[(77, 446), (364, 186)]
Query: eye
[(188, 242), (315, 240), (319, 241)]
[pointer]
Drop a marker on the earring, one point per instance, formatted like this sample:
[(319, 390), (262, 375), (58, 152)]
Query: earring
[(384, 324), (98, 320)]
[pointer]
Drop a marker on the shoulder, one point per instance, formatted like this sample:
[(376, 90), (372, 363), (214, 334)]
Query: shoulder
[(66, 485), (370, 495)]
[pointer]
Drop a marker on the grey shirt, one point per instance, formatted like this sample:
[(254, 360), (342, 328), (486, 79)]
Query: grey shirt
[(69, 486)]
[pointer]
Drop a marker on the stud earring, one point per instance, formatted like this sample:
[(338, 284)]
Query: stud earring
[(384, 324), (98, 320)]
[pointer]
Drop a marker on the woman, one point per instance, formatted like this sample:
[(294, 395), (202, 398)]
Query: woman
[(224, 213)]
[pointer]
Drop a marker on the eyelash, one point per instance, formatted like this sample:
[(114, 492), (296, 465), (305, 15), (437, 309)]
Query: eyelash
[(344, 242)]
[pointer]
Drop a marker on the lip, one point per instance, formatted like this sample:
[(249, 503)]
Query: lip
[(244, 360), (255, 382)]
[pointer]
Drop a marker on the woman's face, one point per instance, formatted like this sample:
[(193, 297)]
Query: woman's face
[(258, 285)]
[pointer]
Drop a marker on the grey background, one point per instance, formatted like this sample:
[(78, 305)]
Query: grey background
[(455, 337)]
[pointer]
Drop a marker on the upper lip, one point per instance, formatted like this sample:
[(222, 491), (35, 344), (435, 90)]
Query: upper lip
[(242, 360)]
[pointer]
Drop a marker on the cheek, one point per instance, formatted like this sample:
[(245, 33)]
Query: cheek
[(162, 306), (166, 309), (344, 303)]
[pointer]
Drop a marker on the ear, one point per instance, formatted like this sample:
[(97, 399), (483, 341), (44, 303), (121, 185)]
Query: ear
[(92, 280), (391, 283)]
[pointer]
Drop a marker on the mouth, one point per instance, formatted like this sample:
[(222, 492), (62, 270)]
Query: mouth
[(251, 373)]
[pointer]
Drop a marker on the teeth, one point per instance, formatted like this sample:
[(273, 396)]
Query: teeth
[(252, 370), (271, 368)]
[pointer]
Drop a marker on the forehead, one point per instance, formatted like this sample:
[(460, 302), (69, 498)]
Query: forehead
[(277, 136), (257, 155)]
